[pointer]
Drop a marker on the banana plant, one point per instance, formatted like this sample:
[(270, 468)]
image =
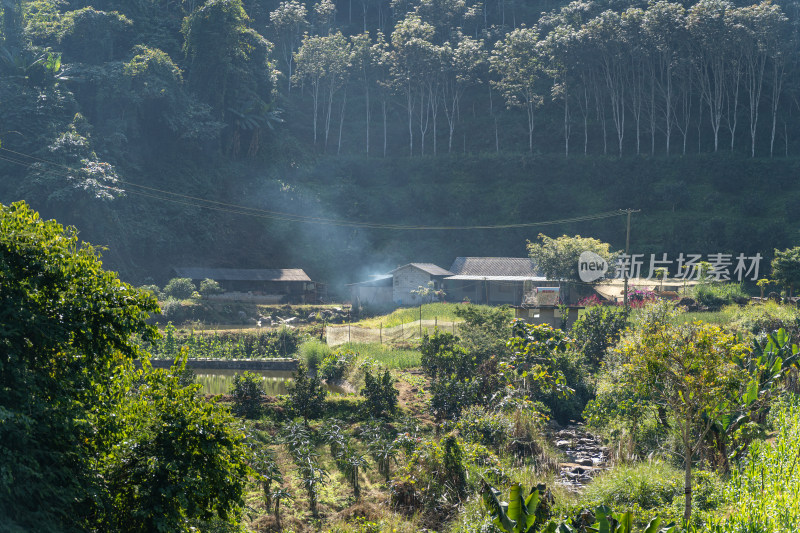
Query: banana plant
[(766, 365), (521, 514)]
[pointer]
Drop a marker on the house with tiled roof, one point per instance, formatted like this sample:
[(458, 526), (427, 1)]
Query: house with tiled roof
[(263, 285), (492, 280)]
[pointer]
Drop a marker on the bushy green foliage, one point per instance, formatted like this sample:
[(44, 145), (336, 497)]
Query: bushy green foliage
[(715, 296), (107, 447), (451, 371), (485, 330), (152, 289), (640, 487), (208, 287), (306, 393), (261, 344), (380, 395), (557, 258), (764, 318), (182, 457), (313, 352), (247, 392), (598, 329), (179, 288), (489, 428), (763, 494), (786, 267), (435, 475), (336, 364)]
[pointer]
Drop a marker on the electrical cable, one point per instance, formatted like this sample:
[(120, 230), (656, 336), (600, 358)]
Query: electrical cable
[(202, 203)]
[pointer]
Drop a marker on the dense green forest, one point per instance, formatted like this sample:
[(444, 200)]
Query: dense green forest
[(231, 132)]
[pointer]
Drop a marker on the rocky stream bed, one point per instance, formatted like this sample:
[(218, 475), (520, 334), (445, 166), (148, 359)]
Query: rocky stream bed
[(586, 456)]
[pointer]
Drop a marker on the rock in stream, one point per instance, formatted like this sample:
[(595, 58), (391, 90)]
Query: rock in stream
[(586, 456)]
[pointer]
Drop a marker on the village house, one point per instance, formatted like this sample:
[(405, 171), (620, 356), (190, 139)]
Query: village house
[(271, 286), (411, 277), (492, 280)]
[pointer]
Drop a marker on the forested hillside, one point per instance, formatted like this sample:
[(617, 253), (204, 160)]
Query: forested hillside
[(183, 132)]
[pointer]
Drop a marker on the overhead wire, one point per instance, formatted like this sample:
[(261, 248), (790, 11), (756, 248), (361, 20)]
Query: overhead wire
[(215, 205)]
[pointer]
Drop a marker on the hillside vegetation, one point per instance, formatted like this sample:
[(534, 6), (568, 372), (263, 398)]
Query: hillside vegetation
[(203, 132)]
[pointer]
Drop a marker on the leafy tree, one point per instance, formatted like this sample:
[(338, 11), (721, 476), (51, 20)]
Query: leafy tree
[(597, 330), (689, 371), (179, 288), (181, 457), (557, 258), (229, 69), (484, 332), (518, 65), (66, 327), (380, 395), (209, 286), (786, 267), (306, 393), (288, 21), (247, 391)]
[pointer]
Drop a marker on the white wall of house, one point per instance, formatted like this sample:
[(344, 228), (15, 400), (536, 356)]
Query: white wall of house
[(406, 279)]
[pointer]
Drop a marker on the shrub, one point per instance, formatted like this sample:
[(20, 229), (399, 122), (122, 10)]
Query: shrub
[(573, 367), (716, 295), (248, 392), (209, 286), (313, 353), (765, 318), (637, 487), (597, 330), (306, 393), (481, 426), (152, 289), (336, 365), (380, 396), (171, 309), (179, 288)]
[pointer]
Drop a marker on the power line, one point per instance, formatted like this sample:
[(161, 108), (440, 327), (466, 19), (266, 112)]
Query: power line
[(203, 203)]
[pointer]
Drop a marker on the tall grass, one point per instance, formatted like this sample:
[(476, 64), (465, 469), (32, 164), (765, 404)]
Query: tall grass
[(388, 357), (764, 493), (442, 311)]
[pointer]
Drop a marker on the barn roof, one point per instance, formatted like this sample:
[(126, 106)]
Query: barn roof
[(430, 268), (243, 274), (494, 267)]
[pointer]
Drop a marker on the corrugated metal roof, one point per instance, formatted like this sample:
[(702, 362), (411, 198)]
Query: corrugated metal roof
[(430, 268), (243, 274), (494, 266), (496, 278)]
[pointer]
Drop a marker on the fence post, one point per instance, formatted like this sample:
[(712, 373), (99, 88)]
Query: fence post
[(435, 323), (348, 331), (381, 332)]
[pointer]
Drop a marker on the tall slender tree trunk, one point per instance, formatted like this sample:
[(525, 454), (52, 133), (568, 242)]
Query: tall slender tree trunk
[(341, 120), (385, 130)]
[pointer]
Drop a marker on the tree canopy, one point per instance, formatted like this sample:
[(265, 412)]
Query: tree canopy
[(82, 430)]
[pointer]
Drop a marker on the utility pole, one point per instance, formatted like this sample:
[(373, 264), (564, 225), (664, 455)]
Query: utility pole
[(627, 253)]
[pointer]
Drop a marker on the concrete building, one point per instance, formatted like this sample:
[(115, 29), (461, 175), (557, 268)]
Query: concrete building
[(412, 276)]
